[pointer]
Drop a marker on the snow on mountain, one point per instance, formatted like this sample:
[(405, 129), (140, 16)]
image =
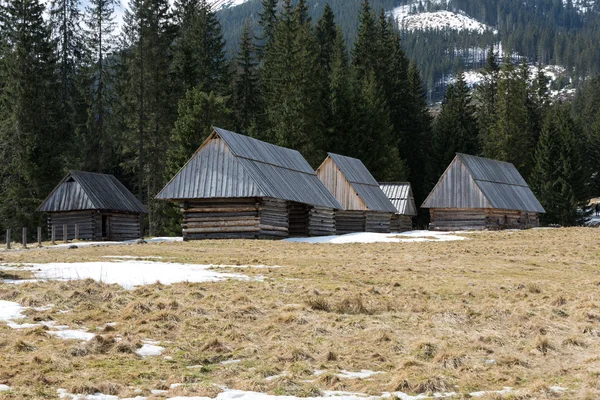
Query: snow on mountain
[(582, 6), (439, 20), (221, 4)]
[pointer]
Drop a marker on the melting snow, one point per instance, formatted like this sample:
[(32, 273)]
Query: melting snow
[(126, 242), (370, 237), (149, 349), (73, 334), (4, 388), (230, 362), (10, 310), (128, 274), (362, 374)]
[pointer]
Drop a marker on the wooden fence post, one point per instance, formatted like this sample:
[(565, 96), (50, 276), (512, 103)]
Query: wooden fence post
[(65, 236), (24, 238), (39, 236), (53, 234), (8, 239), (76, 231)]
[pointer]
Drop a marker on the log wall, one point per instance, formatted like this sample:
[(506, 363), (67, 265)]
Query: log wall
[(298, 219), (480, 219), (349, 222), (121, 226), (221, 219), (274, 222), (401, 223), (376, 221), (321, 221)]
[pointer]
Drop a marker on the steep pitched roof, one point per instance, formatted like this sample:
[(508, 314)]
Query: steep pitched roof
[(401, 196), (363, 183), (81, 190), (497, 184), (241, 166)]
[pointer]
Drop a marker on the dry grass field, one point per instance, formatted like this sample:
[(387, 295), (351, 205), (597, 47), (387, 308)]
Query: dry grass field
[(502, 309)]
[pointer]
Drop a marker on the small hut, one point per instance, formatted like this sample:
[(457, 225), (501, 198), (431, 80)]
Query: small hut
[(365, 208), (477, 193), (99, 206), (235, 186), (401, 196)]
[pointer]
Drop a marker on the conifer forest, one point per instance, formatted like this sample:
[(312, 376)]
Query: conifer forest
[(78, 91)]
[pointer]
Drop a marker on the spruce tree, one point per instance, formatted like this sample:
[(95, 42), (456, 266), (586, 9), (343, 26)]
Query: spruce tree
[(456, 129), (246, 91), (101, 43), (416, 139), (267, 21), (30, 126), (342, 102), (487, 96), (372, 139), (150, 108), (326, 35), (365, 50), (510, 138), (293, 87), (559, 176), (198, 50), (198, 113)]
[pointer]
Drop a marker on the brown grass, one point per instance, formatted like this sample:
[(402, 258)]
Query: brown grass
[(515, 309)]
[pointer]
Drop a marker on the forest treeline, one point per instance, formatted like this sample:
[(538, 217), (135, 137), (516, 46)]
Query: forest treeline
[(74, 94), (545, 31)]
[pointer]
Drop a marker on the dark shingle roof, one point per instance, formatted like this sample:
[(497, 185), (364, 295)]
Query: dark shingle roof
[(248, 168), (91, 191), (400, 194), (363, 183)]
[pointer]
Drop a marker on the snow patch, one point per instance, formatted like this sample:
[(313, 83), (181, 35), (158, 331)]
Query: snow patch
[(370, 237), (227, 362), (150, 349), (362, 374), (4, 388), (221, 4), (410, 19), (10, 310), (129, 274), (73, 334)]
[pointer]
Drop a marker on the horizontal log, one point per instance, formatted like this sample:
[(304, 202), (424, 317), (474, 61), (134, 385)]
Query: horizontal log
[(222, 229)]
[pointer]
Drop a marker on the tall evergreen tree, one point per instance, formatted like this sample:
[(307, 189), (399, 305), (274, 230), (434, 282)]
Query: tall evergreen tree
[(292, 86), (559, 176), (365, 51), (101, 43), (148, 99), (416, 138), (510, 137), (246, 93), (487, 96), (30, 136), (373, 141), (326, 35), (456, 129), (267, 21), (198, 50), (341, 101)]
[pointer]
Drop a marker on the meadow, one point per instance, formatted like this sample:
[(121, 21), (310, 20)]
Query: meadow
[(517, 309)]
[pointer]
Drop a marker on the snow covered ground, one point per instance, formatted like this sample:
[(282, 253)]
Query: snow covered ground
[(220, 4), (370, 237), (437, 20), (126, 242), (127, 273)]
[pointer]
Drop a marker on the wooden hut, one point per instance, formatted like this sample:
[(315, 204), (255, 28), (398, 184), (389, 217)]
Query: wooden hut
[(238, 187), (401, 196), (477, 193), (365, 208), (98, 204)]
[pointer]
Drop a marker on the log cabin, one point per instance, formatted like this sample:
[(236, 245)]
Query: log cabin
[(476, 193), (365, 208), (401, 196), (98, 205), (235, 186)]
